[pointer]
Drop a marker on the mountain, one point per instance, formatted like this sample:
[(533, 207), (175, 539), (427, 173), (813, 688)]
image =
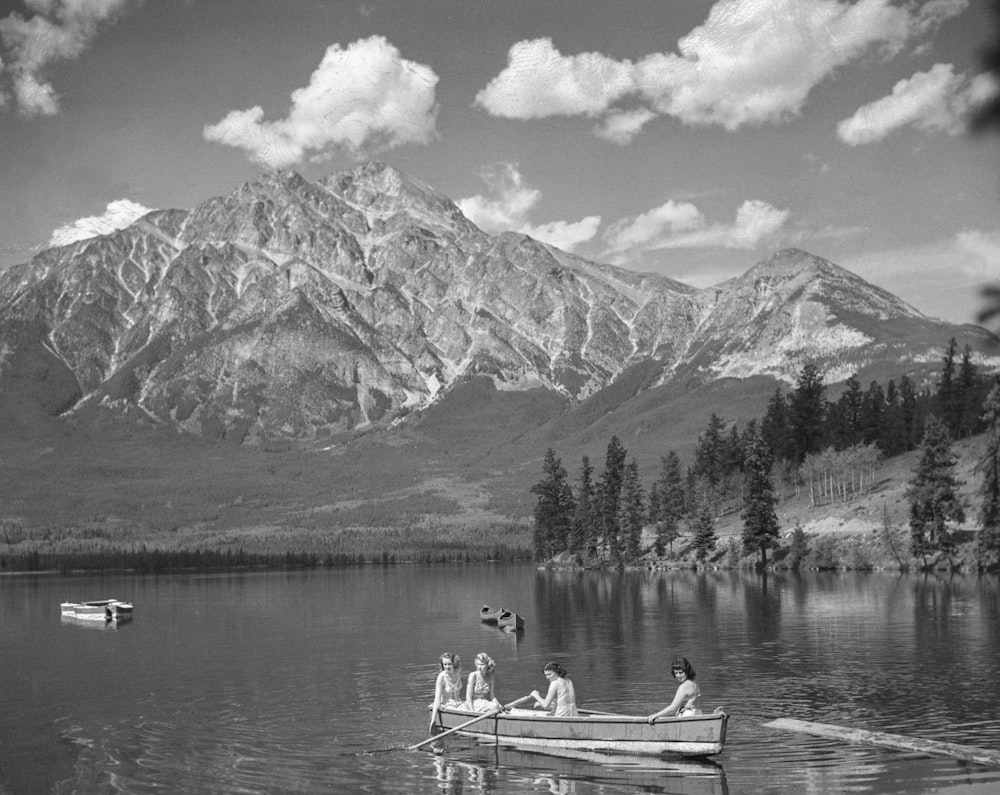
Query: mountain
[(302, 309)]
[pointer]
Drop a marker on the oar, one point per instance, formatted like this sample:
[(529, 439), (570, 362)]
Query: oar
[(461, 726)]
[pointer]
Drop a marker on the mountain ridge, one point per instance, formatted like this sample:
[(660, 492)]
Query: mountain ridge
[(291, 308)]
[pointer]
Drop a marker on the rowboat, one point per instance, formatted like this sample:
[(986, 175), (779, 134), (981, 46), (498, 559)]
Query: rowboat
[(688, 735), (97, 610), (510, 620), (489, 615)]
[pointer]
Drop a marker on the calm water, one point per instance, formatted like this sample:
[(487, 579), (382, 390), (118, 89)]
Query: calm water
[(316, 681)]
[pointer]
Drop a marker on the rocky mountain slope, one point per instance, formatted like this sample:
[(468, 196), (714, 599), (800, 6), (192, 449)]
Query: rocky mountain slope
[(302, 309)]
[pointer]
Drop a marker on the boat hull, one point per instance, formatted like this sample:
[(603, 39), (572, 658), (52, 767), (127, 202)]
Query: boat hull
[(688, 735), (97, 610)]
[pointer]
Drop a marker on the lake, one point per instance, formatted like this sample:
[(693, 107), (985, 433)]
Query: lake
[(315, 681)]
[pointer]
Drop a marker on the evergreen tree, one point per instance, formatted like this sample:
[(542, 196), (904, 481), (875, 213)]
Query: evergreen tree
[(872, 414), (583, 535), (775, 426), (669, 503), (553, 510), (847, 428), (760, 522), (807, 412), (704, 539), (710, 455), (909, 413), (988, 537), (949, 400), (933, 496), (970, 396), (609, 494), (633, 511)]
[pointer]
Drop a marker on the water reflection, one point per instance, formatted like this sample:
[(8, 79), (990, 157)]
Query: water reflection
[(560, 771)]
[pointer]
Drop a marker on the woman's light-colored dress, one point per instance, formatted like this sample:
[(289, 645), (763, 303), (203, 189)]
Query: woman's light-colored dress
[(453, 695), (481, 701)]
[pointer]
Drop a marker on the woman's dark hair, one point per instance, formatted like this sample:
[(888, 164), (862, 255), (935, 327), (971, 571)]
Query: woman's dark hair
[(681, 664), (555, 667)]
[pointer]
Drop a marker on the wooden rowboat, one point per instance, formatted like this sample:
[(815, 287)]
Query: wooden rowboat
[(510, 620), (688, 735), (489, 615)]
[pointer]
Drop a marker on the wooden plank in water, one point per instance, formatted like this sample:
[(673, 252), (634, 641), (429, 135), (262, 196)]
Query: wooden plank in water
[(983, 756)]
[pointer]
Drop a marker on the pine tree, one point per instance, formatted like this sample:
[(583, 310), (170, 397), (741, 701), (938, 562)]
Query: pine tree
[(670, 502), (760, 522), (632, 510), (553, 510), (704, 539), (933, 496), (807, 412), (775, 426), (609, 496), (988, 537), (583, 534), (949, 400)]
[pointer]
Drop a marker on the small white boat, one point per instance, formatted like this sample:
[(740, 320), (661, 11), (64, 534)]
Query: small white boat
[(97, 610)]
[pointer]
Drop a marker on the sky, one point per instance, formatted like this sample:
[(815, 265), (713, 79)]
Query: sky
[(687, 138)]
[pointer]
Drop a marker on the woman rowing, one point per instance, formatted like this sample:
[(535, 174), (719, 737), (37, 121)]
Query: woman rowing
[(686, 698), (560, 701)]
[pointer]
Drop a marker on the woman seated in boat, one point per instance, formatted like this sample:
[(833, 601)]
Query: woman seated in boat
[(560, 701), (686, 699), (448, 686), (479, 696)]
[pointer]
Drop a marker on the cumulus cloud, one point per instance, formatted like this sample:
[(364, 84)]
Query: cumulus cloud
[(118, 215), (622, 126), (508, 203), (564, 234), (58, 30), (683, 225), (366, 97), (751, 62), (540, 81), (934, 101)]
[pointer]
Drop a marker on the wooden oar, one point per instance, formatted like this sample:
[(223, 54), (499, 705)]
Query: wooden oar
[(461, 726)]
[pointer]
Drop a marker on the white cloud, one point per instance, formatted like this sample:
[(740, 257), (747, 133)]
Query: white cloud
[(942, 278), (682, 225), (539, 81), (366, 97), (622, 126), (564, 234), (118, 215), (750, 62), (983, 262), (934, 101), (508, 203), (59, 30)]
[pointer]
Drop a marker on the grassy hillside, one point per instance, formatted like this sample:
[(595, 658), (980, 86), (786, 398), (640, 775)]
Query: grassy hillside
[(450, 481)]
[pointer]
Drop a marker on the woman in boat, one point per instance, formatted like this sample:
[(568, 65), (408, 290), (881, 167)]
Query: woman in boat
[(686, 699), (560, 701), (479, 695), (448, 686)]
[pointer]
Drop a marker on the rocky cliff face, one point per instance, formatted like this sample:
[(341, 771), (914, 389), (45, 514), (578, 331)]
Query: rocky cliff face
[(297, 308)]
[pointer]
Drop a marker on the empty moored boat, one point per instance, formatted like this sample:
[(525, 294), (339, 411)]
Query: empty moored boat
[(688, 735), (489, 615), (97, 610), (510, 620)]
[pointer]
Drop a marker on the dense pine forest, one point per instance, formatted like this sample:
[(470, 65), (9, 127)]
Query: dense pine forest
[(805, 443)]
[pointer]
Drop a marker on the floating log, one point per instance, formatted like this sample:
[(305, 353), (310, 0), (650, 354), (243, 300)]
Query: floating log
[(982, 756)]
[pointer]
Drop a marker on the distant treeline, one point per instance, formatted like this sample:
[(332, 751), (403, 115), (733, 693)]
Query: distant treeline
[(95, 549), (804, 441)]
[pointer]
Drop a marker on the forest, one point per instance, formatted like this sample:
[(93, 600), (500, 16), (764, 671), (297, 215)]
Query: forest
[(804, 443)]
